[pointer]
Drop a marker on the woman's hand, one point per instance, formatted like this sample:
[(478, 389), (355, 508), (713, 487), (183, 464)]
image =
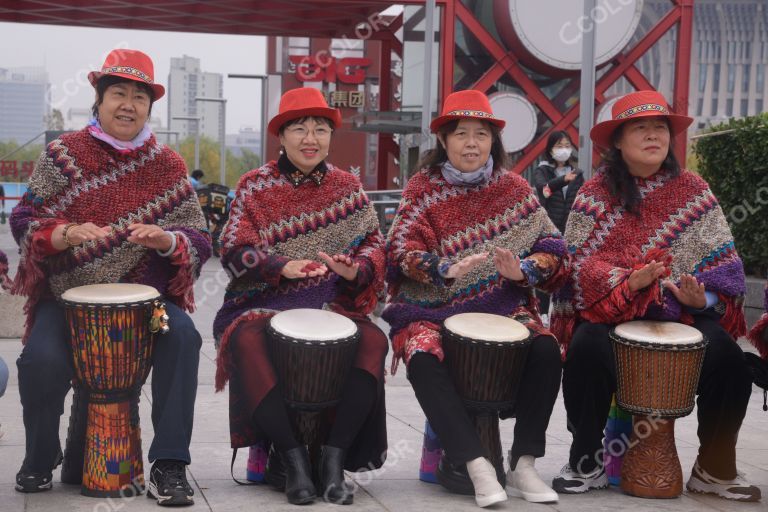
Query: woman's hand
[(341, 264), (150, 236), (301, 269), (78, 234), (643, 277), (569, 177), (465, 265), (508, 264), (691, 293)]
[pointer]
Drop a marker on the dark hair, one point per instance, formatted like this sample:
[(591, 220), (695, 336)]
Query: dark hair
[(107, 81), (197, 174), (438, 155), (299, 120), (621, 183), (553, 139)]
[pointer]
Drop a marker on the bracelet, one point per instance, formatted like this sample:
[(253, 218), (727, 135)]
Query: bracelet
[(65, 233)]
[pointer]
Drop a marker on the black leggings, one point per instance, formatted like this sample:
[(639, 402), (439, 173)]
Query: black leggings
[(451, 421), (589, 380)]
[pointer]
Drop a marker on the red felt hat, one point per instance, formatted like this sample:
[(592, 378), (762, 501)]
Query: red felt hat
[(470, 104), (303, 102), (130, 64), (635, 105)]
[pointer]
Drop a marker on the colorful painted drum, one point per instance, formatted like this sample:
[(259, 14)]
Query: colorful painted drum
[(112, 327)]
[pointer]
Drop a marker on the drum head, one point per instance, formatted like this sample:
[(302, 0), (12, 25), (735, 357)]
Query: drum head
[(662, 333), (313, 325), (112, 293), (487, 327)]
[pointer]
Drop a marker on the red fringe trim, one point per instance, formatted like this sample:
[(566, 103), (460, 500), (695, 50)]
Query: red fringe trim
[(224, 356), (562, 327), (366, 301), (5, 282), (400, 340), (733, 320), (757, 336), (181, 286)]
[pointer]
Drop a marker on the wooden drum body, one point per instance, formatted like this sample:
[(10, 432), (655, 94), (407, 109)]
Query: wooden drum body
[(112, 342), (312, 351), (657, 372), (486, 355)]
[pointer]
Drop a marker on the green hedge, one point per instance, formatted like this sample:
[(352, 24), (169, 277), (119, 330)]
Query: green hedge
[(736, 166)]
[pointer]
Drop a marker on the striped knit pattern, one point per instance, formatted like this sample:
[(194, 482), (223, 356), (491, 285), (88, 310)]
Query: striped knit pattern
[(447, 223), (272, 221), (80, 179), (680, 222)]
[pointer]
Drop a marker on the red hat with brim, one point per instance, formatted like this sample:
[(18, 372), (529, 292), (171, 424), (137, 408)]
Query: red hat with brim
[(471, 104), (300, 103), (132, 65), (633, 106)]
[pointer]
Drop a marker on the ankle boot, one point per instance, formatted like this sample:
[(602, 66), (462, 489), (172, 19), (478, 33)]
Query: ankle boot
[(488, 491), (298, 476), (332, 484), (274, 474)]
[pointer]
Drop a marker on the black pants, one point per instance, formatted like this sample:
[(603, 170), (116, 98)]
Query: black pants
[(451, 422), (45, 371), (589, 379)]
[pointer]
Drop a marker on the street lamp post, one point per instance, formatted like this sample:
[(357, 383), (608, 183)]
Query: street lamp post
[(223, 150), (264, 83), (196, 119)]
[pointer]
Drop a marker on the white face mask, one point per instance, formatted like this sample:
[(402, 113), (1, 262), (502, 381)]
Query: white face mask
[(561, 154)]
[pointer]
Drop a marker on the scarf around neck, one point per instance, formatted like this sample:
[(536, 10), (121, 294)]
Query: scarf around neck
[(95, 129), (455, 177)]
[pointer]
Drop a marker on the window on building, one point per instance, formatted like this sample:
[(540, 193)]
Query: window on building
[(702, 77), (731, 77), (729, 107), (744, 108), (700, 107), (760, 78), (759, 106), (745, 79), (716, 79), (714, 107)]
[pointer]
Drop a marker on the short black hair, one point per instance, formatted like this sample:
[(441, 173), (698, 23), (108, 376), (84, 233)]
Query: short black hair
[(107, 81), (553, 139), (197, 174)]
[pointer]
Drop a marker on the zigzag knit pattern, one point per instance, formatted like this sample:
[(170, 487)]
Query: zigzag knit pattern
[(271, 222), (448, 223), (80, 179), (680, 218)]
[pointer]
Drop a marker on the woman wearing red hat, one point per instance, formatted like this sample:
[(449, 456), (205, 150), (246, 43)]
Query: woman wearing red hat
[(316, 240), (109, 204), (648, 240), (461, 206)]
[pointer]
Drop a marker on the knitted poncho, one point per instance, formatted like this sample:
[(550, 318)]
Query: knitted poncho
[(438, 223), (272, 222), (680, 222), (81, 179)]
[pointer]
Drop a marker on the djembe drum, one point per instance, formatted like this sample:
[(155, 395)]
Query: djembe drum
[(111, 333), (486, 355), (657, 372), (312, 351)]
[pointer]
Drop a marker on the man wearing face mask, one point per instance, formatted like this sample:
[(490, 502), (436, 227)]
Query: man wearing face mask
[(557, 180)]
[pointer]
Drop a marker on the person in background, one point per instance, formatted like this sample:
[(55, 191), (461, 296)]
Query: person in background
[(196, 178), (557, 181)]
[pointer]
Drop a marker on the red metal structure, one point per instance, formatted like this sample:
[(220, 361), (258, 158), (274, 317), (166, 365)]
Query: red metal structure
[(339, 18)]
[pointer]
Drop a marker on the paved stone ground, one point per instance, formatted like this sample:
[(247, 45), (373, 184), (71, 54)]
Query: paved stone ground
[(394, 488)]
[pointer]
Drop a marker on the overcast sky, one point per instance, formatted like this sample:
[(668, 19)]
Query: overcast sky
[(69, 53)]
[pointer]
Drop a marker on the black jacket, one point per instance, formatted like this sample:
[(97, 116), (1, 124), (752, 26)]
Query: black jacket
[(556, 205)]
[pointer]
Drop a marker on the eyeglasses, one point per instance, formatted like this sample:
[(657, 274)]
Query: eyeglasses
[(300, 132)]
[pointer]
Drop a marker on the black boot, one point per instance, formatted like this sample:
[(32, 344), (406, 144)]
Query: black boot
[(332, 484), (274, 474), (454, 477), (298, 476)]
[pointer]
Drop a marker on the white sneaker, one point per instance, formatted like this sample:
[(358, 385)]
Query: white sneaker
[(737, 489), (573, 482), (524, 482), (488, 490)]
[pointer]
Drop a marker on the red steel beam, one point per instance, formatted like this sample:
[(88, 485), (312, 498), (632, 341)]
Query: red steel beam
[(448, 46), (683, 69)]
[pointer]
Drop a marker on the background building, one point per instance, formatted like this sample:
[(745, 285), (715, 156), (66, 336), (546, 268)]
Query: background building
[(25, 102), (186, 82)]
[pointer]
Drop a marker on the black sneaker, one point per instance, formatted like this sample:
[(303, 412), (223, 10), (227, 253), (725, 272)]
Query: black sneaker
[(573, 482), (29, 481), (736, 489), (168, 483), (454, 477)]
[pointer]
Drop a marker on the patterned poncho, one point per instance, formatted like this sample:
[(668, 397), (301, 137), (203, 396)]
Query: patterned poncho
[(272, 221), (438, 223), (680, 222), (81, 179)]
